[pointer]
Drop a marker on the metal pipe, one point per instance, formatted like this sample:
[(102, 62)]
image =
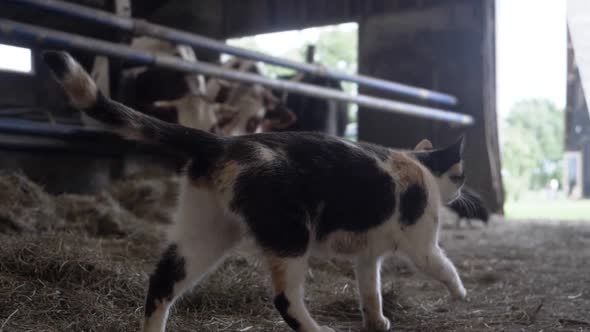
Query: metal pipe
[(142, 27), (18, 126), (59, 39), (21, 135)]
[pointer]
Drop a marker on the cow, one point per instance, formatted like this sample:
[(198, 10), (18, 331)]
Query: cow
[(214, 105)]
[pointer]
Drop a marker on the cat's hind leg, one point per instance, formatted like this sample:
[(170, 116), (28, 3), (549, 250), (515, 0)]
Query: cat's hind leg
[(199, 240), (281, 225), (288, 278)]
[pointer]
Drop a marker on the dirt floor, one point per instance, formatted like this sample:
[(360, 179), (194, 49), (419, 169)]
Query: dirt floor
[(81, 263)]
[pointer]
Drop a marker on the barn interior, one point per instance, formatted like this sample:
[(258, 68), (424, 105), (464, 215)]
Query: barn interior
[(84, 212)]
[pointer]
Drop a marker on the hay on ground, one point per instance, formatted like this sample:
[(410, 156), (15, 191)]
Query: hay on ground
[(81, 263), (24, 206)]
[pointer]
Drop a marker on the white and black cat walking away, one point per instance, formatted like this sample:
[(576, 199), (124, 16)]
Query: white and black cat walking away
[(295, 195)]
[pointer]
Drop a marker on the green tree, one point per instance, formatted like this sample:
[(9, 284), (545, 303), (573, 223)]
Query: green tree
[(334, 48), (532, 146), (337, 48)]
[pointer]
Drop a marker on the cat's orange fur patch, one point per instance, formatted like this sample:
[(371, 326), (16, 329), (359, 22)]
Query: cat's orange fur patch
[(405, 170), (371, 303), (80, 87), (226, 175), (278, 274), (456, 169)]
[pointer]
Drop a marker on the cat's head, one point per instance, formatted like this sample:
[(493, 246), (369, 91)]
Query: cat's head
[(446, 164)]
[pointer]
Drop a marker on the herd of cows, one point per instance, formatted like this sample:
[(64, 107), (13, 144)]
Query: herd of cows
[(223, 107)]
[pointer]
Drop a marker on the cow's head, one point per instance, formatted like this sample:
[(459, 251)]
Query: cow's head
[(194, 111), (251, 108), (230, 108)]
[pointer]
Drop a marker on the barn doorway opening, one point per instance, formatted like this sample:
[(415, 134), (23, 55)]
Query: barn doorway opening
[(333, 46), (540, 104), (16, 59)]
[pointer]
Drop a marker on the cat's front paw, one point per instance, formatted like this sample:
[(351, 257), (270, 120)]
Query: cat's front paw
[(326, 329), (381, 325), (459, 294)]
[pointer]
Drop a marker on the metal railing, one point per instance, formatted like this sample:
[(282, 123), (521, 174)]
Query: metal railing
[(58, 39), (142, 27)]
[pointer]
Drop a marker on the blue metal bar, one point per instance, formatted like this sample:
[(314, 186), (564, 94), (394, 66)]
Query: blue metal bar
[(58, 39), (21, 135), (142, 27)]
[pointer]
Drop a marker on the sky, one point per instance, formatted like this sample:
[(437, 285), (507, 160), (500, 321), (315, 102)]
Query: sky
[(15, 58), (531, 44)]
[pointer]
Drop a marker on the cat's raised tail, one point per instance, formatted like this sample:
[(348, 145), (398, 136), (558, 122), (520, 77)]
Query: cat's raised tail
[(84, 95)]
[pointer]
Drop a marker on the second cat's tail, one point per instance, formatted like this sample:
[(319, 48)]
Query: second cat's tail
[(84, 95)]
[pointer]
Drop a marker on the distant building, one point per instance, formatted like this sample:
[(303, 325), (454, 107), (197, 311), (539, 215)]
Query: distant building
[(577, 115)]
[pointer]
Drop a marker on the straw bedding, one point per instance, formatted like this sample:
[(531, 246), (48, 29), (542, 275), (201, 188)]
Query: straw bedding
[(81, 263)]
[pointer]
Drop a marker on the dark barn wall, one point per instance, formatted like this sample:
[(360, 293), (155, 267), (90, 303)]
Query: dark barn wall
[(231, 18), (448, 48), (19, 86), (577, 117)]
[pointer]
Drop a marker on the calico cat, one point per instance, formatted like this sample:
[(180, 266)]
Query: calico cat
[(295, 195)]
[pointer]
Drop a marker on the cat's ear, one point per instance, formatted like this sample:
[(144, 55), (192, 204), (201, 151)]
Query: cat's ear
[(458, 147), (424, 145), (439, 161), (454, 152)]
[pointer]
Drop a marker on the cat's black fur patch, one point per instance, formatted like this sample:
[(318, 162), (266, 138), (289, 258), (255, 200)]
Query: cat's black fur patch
[(322, 183), (282, 304), (381, 152), (268, 198), (242, 151), (107, 111), (170, 269), (412, 204), (57, 61)]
